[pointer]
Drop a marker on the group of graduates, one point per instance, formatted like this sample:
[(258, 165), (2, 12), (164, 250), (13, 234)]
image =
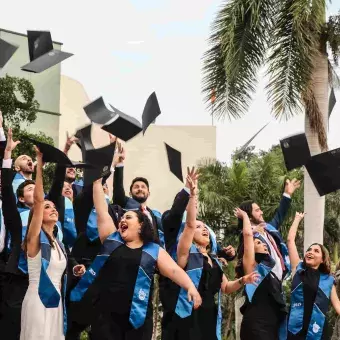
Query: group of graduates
[(74, 259)]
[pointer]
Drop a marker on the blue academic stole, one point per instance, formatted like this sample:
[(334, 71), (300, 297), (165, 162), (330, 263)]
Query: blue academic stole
[(194, 269), (318, 318), (69, 229), (18, 179), (145, 275), (283, 247), (92, 227), (48, 294)]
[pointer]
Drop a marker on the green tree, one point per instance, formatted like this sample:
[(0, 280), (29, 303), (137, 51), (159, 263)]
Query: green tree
[(289, 38)]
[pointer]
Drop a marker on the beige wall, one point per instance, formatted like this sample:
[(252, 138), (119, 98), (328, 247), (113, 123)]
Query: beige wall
[(46, 84), (146, 157)]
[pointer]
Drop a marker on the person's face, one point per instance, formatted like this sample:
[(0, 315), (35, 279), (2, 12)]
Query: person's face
[(201, 235), (28, 195), (140, 191), (257, 214), (313, 256), (70, 174), (50, 213), (260, 247), (129, 227), (25, 164), (67, 190)]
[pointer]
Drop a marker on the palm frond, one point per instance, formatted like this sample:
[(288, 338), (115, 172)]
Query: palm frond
[(296, 41), (239, 40)]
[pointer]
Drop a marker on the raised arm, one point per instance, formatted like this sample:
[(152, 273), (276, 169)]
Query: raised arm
[(281, 212), (119, 196), (248, 241), (105, 223), (185, 240), (292, 250), (168, 268), (34, 229), (229, 287)]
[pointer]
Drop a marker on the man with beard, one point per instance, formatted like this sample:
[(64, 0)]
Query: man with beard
[(24, 168), (139, 191)]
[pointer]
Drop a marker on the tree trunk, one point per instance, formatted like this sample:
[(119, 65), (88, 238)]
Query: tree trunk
[(314, 205), (336, 253)]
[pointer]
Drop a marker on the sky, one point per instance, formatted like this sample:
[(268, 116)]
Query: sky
[(125, 50)]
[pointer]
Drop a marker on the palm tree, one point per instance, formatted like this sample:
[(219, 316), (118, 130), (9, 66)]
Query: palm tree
[(290, 39)]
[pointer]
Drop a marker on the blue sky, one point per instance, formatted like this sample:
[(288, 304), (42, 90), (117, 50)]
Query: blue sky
[(124, 50)]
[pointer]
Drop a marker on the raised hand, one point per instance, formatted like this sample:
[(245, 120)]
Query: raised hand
[(39, 155), (251, 278), (240, 213), (10, 145), (299, 216), (70, 140), (291, 186), (112, 138), (194, 296), (119, 156)]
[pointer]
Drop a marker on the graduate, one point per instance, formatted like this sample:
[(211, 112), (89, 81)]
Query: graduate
[(43, 314), (125, 269), (312, 291), (196, 253), (264, 310)]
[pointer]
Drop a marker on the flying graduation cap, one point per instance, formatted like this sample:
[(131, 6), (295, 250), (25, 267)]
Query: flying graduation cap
[(41, 52), (6, 52), (84, 135), (324, 170), (120, 124), (53, 155), (101, 159), (295, 151), (175, 161)]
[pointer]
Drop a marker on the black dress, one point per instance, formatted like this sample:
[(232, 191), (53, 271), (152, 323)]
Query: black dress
[(201, 325), (262, 317), (310, 280), (116, 282)]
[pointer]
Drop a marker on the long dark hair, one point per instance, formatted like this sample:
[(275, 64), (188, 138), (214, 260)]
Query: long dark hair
[(148, 232), (24, 243), (325, 266)]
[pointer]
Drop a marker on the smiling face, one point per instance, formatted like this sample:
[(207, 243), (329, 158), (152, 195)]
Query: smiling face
[(260, 247), (314, 256), (50, 213), (140, 191), (24, 164), (257, 214), (70, 175), (67, 190), (130, 227), (201, 236)]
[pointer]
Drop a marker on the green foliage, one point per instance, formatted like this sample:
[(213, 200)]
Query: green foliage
[(17, 101), (333, 36)]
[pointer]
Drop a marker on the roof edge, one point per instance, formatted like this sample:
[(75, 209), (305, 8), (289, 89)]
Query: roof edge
[(24, 35)]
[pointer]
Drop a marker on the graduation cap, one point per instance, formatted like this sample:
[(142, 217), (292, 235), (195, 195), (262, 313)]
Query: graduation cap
[(6, 52), (295, 151), (151, 111), (101, 159), (84, 135), (41, 51), (175, 161), (324, 170), (124, 127), (53, 155), (98, 113)]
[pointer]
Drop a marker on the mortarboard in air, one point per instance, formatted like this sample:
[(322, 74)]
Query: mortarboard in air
[(151, 111), (53, 155), (84, 136), (324, 170), (98, 113), (295, 151), (101, 159), (6, 52), (41, 52), (124, 127), (175, 161)]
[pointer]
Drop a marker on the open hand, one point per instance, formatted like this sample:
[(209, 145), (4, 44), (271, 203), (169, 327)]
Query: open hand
[(291, 186), (240, 213), (10, 145), (299, 216), (119, 156), (251, 278), (194, 296)]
